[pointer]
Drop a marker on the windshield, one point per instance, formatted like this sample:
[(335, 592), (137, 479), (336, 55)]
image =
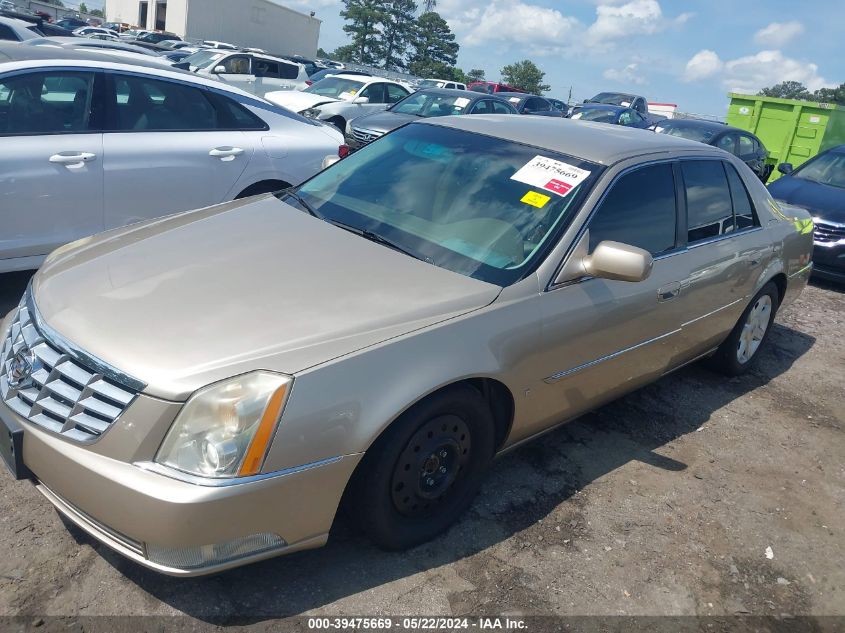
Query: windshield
[(431, 83), (203, 59), (596, 114), (426, 104), (702, 135), (335, 87), (473, 204), (612, 98), (828, 169)]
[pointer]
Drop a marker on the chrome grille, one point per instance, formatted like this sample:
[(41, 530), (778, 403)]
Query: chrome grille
[(365, 136), (828, 232), (53, 388)]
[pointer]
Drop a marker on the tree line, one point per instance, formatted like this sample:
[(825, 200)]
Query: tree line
[(389, 34), (797, 90)]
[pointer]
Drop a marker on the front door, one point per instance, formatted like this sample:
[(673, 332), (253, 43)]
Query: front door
[(604, 337), (51, 167)]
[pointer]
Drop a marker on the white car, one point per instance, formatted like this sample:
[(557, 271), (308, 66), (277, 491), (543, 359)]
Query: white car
[(77, 162), (121, 51), (441, 83), (88, 31), (14, 30), (341, 98), (254, 72), (219, 45)]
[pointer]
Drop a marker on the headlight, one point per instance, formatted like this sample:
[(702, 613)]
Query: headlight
[(311, 113), (225, 430)]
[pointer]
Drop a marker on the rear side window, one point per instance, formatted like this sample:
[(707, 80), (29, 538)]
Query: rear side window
[(234, 116), (708, 197), (46, 103), (744, 215), (6, 33), (501, 108), (288, 71), (265, 68), (639, 210), (149, 105)]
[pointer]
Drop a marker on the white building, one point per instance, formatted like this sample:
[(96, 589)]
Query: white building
[(254, 23)]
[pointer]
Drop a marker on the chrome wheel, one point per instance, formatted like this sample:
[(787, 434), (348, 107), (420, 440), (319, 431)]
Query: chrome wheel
[(754, 329)]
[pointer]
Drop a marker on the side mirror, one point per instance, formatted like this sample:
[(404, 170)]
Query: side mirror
[(361, 100), (622, 262), (785, 168)]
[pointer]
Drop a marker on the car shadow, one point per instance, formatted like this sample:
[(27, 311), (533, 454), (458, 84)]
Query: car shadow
[(827, 284), (12, 286), (524, 487)]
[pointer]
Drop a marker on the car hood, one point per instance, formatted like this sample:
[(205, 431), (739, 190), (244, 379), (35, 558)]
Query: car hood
[(194, 298), (822, 201), (383, 122), (297, 100)]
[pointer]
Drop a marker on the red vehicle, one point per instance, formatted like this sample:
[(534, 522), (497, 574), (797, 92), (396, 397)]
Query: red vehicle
[(491, 87)]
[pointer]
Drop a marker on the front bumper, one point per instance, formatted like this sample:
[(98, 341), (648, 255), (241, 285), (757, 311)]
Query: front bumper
[(140, 513), (829, 262)]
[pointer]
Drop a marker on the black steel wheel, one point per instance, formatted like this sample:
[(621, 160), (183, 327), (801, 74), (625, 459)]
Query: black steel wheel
[(424, 470)]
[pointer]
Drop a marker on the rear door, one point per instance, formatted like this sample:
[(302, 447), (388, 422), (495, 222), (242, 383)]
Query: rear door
[(726, 252), (51, 163), (168, 147), (273, 75)]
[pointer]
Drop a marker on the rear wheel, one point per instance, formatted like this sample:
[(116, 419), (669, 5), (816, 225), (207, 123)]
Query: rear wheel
[(424, 471), (737, 353)]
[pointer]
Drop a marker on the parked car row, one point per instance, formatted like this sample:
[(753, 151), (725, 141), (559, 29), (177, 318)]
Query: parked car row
[(128, 142)]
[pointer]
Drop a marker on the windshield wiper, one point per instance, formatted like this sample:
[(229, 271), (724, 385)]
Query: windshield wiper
[(303, 203), (378, 239)]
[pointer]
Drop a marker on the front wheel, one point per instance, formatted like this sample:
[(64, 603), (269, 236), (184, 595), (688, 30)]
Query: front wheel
[(737, 353), (424, 471)]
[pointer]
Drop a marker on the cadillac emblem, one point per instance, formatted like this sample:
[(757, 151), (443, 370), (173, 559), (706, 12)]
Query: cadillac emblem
[(21, 368)]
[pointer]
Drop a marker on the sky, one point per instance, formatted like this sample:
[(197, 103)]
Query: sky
[(688, 52)]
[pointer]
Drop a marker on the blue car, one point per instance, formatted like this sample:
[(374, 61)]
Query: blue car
[(819, 186)]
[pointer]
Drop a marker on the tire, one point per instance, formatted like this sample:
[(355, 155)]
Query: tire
[(738, 352), (424, 470)]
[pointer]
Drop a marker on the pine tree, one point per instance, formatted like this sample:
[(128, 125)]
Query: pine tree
[(432, 46), (364, 17), (397, 28)]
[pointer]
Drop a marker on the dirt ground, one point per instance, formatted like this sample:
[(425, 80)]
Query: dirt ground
[(662, 503)]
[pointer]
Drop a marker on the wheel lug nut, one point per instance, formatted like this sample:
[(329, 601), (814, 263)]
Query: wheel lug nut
[(429, 481), (442, 453), (442, 469)]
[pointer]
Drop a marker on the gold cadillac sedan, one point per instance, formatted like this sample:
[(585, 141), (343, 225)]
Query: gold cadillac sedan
[(205, 390)]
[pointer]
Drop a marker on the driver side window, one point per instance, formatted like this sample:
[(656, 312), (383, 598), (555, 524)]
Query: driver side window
[(236, 65), (374, 92), (638, 210)]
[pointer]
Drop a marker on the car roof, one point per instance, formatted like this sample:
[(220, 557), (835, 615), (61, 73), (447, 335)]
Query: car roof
[(597, 142), (21, 24), (602, 106), (455, 92), (14, 56)]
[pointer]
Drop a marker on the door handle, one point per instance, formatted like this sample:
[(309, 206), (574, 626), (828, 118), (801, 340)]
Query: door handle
[(669, 291), (226, 153), (72, 158)]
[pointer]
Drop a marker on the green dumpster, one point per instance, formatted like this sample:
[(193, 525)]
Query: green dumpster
[(793, 131)]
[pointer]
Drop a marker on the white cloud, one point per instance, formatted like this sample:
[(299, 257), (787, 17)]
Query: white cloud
[(630, 75), (703, 64), (540, 29), (751, 73), (778, 34), (617, 21)]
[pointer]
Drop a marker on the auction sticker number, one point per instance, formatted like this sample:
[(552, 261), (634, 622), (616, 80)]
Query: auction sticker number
[(550, 175)]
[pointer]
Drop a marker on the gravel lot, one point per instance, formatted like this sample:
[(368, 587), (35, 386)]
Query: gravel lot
[(663, 503)]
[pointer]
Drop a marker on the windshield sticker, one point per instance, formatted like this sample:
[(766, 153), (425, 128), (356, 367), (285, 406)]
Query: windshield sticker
[(550, 175), (461, 102), (514, 99), (535, 199)]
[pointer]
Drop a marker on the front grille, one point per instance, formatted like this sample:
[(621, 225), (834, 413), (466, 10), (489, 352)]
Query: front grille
[(828, 232), (365, 136), (54, 389)]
